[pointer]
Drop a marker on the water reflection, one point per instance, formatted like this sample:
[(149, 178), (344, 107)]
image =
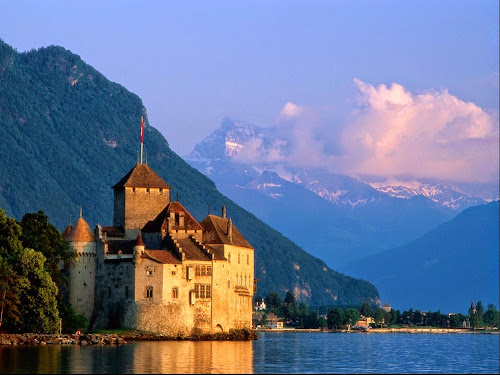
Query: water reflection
[(138, 357)]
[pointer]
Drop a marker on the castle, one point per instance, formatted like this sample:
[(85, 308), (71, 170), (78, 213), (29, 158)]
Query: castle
[(157, 269)]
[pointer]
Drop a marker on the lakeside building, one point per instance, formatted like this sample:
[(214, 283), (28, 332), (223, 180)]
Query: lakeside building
[(156, 268)]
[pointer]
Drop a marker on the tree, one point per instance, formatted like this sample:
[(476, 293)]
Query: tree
[(38, 302), (335, 318), (10, 233), (351, 316), (40, 235), (9, 294), (480, 313), (490, 317), (365, 309), (379, 316), (290, 308), (273, 300), (392, 317)]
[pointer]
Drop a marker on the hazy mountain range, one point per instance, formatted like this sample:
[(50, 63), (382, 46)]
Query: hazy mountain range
[(444, 269)]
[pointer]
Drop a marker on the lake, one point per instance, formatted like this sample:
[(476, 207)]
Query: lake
[(272, 353)]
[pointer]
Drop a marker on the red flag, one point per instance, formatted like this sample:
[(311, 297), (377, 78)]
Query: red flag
[(142, 130)]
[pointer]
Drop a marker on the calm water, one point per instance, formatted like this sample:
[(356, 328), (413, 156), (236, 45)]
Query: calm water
[(286, 352)]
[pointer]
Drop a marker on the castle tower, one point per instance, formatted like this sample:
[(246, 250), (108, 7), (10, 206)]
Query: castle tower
[(82, 269), (138, 198)]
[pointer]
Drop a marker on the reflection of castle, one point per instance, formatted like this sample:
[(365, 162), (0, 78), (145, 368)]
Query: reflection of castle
[(157, 269)]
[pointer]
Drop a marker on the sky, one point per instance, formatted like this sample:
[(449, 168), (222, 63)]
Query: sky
[(393, 87)]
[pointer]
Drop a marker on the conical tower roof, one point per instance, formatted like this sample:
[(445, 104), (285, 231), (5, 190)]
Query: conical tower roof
[(81, 232), (142, 175)]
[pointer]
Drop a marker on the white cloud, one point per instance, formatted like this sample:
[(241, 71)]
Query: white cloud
[(432, 134), (290, 110)]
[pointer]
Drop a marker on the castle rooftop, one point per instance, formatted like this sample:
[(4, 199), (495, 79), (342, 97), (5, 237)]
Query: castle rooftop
[(143, 176), (81, 232)]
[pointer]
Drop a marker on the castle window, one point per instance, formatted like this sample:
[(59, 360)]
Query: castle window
[(109, 292), (229, 257), (238, 258), (202, 291), (133, 190), (161, 191), (175, 292), (173, 273), (149, 272), (248, 259), (149, 292), (126, 291), (147, 191)]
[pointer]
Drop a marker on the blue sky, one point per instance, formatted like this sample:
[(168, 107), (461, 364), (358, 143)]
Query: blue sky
[(194, 62)]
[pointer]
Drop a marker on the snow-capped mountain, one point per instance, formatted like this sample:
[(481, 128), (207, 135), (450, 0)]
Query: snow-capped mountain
[(336, 217), (435, 191), (247, 151)]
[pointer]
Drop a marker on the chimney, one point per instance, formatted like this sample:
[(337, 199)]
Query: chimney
[(230, 230), (223, 212)]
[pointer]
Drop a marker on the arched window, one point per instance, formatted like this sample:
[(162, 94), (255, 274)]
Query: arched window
[(149, 292)]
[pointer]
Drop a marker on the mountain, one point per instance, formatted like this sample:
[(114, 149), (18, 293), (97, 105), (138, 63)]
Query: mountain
[(69, 134), (446, 268), (348, 219)]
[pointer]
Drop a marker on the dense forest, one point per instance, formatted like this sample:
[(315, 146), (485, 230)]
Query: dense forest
[(69, 134)]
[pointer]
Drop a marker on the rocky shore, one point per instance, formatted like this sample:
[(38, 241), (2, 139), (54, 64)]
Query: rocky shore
[(119, 338), (61, 339)]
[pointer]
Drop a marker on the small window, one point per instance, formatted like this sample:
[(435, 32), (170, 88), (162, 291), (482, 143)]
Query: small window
[(126, 291), (109, 292), (148, 191), (229, 257), (175, 292), (238, 258), (248, 259), (173, 273), (149, 272), (149, 292), (133, 190), (208, 291)]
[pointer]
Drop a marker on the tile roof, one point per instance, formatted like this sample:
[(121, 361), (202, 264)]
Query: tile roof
[(192, 250), (66, 231), (81, 232), (142, 175), (160, 222), (113, 231), (161, 256), (215, 232)]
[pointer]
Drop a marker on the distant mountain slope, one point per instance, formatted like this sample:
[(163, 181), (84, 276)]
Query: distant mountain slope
[(446, 268), (69, 134), (336, 217)]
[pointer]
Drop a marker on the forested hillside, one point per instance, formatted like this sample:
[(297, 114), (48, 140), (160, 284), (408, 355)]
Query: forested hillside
[(68, 134), (444, 269)]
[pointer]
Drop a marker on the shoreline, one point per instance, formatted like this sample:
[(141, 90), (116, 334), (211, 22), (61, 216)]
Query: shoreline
[(117, 338), (388, 330)]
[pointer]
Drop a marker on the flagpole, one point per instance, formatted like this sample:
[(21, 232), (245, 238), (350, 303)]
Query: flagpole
[(142, 135)]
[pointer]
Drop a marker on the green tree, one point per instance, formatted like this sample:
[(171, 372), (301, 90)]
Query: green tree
[(456, 320), (335, 318), (71, 320), (480, 313), (379, 316), (490, 317), (38, 295), (10, 234), (273, 300), (351, 316), (40, 235), (290, 308), (392, 317), (9, 294), (365, 309)]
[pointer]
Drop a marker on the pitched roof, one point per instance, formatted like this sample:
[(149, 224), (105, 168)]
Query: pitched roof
[(192, 250), (142, 175), (160, 222), (66, 231), (161, 256), (215, 232), (81, 232)]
